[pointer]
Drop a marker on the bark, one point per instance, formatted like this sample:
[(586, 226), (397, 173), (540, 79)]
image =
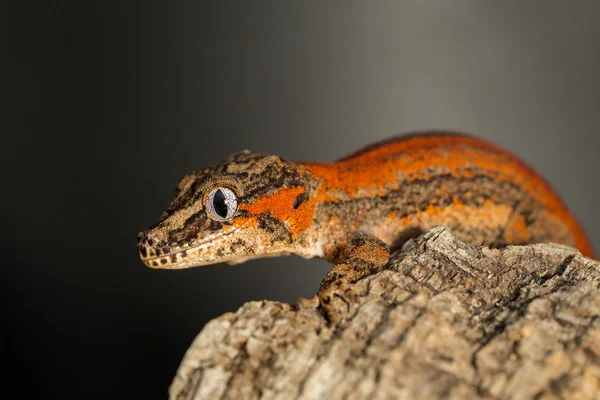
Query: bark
[(443, 320)]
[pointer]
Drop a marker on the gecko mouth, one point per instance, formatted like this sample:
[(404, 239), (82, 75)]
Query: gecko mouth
[(192, 254)]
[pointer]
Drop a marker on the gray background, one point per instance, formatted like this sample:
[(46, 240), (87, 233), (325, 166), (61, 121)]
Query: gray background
[(109, 105)]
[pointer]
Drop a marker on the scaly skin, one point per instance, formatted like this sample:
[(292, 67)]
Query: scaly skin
[(361, 206)]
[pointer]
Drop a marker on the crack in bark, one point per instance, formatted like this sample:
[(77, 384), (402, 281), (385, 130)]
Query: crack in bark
[(562, 267), (337, 333)]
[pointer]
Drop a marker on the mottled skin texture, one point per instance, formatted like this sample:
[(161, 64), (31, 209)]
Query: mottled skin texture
[(353, 211)]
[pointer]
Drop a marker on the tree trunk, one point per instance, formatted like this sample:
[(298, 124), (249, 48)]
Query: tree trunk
[(443, 320)]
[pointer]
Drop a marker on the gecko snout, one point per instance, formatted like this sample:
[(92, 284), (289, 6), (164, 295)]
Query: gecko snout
[(157, 252), (148, 247), (140, 237)]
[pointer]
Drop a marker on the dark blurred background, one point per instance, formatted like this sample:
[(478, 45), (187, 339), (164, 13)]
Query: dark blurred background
[(108, 104)]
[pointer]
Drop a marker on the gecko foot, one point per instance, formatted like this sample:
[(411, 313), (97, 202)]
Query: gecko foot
[(364, 255)]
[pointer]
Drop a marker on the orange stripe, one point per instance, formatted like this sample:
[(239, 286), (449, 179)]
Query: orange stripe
[(375, 171), (280, 205)]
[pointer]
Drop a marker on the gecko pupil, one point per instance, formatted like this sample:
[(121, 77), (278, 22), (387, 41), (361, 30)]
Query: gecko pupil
[(220, 204)]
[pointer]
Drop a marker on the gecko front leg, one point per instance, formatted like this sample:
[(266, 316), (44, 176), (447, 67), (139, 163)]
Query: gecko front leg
[(364, 255)]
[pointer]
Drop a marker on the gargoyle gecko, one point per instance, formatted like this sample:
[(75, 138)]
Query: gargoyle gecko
[(352, 212)]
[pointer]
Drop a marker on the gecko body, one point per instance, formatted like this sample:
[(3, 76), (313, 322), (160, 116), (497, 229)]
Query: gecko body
[(359, 207)]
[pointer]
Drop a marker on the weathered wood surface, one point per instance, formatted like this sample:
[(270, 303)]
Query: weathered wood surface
[(444, 320)]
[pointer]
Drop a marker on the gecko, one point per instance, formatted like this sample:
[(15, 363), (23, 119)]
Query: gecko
[(353, 212)]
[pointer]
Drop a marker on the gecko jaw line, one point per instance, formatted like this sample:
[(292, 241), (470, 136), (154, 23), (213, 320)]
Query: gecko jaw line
[(193, 245)]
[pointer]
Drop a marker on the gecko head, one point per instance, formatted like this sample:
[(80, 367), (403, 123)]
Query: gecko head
[(249, 206)]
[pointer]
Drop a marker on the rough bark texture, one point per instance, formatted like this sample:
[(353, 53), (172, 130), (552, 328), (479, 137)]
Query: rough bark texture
[(443, 320)]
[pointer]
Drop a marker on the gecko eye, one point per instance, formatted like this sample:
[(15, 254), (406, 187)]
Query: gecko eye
[(221, 203)]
